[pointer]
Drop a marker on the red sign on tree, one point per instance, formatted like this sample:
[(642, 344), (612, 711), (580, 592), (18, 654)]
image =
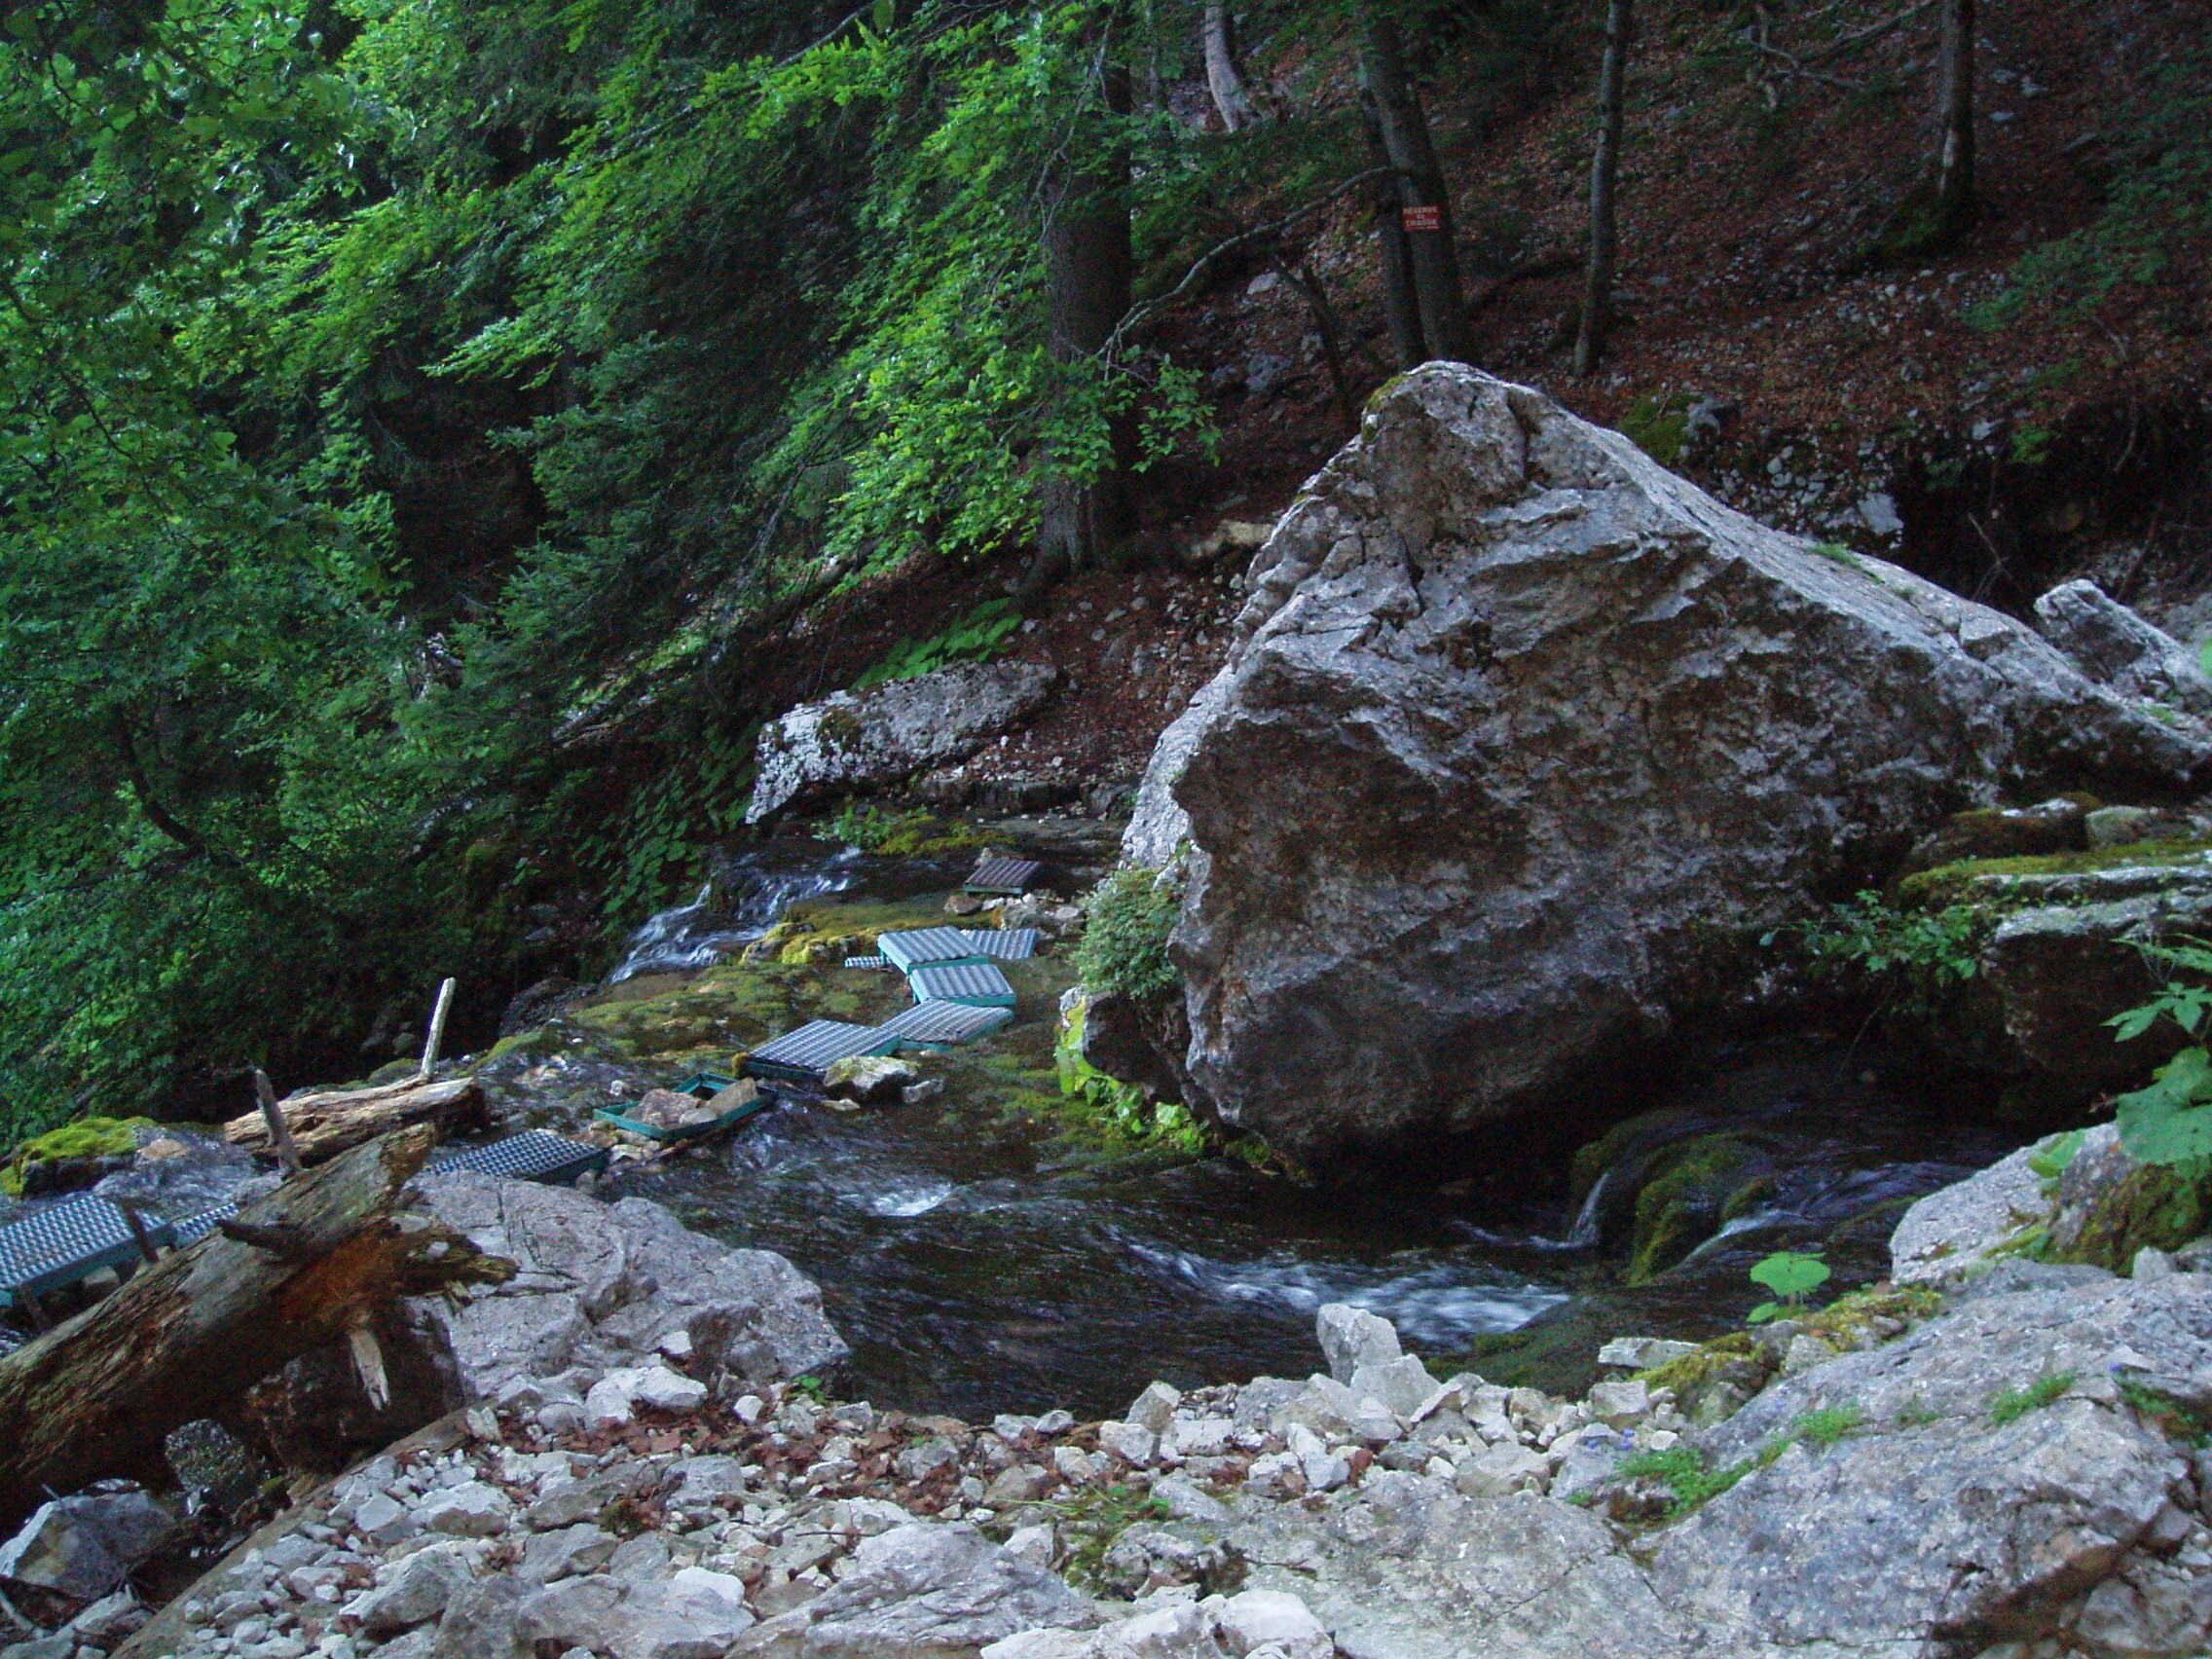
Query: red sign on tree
[(1423, 218)]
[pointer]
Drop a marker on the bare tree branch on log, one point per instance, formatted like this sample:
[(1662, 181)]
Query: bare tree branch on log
[(97, 1395)]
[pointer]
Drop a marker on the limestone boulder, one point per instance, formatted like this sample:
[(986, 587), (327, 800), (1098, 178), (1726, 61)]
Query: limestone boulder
[(2118, 647), (1524, 742), (606, 1285), (1993, 1478), (884, 735)]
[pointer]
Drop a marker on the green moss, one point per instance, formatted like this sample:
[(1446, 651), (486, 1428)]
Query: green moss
[(1975, 880), (533, 1045), (1723, 1359), (1659, 427), (731, 1007), (86, 1137), (2159, 1206), (807, 934), (1848, 1322), (1682, 1205)]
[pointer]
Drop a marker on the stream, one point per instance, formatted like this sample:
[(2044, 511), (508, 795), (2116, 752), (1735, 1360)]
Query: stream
[(976, 1266), (972, 1274)]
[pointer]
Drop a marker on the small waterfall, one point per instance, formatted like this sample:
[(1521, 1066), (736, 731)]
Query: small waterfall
[(1585, 1233), (754, 887)]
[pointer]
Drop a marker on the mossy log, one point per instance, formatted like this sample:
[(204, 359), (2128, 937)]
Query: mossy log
[(300, 1268), (325, 1123)]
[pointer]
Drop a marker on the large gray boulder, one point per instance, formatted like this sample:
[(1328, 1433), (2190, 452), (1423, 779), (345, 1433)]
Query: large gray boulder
[(2003, 1481), (84, 1546), (1523, 744), (604, 1285), (884, 735), (2112, 645)]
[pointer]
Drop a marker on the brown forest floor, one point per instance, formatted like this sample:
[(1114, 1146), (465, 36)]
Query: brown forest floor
[(1740, 223)]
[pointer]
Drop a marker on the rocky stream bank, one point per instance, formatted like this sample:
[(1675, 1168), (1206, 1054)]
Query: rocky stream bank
[(2003, 1464)]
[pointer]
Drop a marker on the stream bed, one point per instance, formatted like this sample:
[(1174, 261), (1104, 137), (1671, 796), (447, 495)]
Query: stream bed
[(976, 1269)]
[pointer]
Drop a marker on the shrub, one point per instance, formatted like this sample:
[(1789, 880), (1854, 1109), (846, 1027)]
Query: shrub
[(1124, 949)]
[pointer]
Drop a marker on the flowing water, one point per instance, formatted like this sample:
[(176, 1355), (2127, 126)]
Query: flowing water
[(738, 903), (976, 1265), (973, 1273)]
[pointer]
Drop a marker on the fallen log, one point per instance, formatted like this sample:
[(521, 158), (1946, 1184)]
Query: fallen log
[(325, 1122), (186, 1338)]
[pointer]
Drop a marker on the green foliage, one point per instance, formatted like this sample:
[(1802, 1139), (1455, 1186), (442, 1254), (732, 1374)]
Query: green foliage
[(901, 835), (2157, 206), (1922, 957), (1792, 1275), (1123, 1114), (2168, 1123), (810, 1388), (977, 637), (2009, 1405), (2052, 1157), (1124, 946)]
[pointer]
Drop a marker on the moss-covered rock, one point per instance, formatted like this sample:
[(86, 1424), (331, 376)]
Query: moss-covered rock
[(2111, 1205), (82, 1141), (1689, 1191), (826, 934), (2010, 882)]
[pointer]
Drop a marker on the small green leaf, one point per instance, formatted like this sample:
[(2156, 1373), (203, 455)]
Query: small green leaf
[(1790, 1273)]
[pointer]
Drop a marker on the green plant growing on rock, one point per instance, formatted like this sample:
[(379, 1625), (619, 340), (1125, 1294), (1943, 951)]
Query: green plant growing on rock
[(1792, 1275), (1124, 949), (1827, 1425), (912, 834), (2167, 1121), (1687, 1472), (1926, 956), (2177, 1419), (2012, 1404)]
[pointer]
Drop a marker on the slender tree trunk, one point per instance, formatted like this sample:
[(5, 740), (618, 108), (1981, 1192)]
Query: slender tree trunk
[(1404, 126), (1605, 170), (1398, 301), (1219, 37), (1954, 139), (1089, 271)]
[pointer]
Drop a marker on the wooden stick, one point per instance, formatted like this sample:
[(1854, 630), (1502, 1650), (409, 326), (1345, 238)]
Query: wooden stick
[(272, 1114), (139, 1232), (438, 1030)]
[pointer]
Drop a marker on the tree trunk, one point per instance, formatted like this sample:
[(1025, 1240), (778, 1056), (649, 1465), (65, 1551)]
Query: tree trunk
[(1398, 301), (1954, 137), (1604, 169), (188, 1337), (1088, 270), (1219, 38), (1404, 126), (326, 1122)]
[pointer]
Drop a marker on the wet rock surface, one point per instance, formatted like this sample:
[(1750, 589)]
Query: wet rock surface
[(1512, 715)]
